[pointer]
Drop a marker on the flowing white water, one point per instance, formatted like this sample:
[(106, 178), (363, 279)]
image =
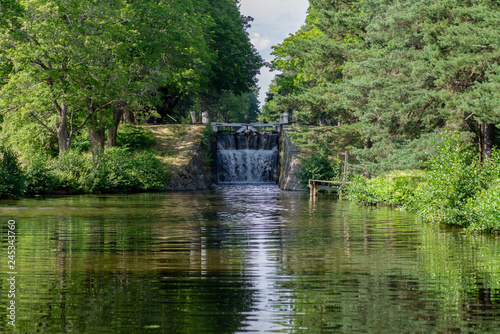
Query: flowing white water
[(247, 158)]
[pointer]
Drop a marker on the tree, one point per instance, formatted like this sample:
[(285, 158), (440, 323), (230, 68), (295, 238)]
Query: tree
[(63, 63), (235, 61), (169, 50), (228, 65), (463, 46), (483, 101), (233, 108), (406, 70), (87, 61)]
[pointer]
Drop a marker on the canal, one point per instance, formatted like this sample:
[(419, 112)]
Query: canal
[(242, 258)]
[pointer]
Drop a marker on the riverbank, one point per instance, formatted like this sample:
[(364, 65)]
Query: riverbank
[(146, 159), (456, 189)]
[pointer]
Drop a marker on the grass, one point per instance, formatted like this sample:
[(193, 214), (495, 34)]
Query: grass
[(175, 143)]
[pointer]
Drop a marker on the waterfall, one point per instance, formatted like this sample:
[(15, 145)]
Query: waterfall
[(247, 158)]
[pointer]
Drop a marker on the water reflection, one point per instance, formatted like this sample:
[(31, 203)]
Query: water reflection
[(245, 259)]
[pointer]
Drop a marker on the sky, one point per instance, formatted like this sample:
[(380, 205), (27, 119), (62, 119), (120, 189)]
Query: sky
[(273, 21)]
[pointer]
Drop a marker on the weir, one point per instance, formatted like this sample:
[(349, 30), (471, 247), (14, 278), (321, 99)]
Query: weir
[(247, 158)]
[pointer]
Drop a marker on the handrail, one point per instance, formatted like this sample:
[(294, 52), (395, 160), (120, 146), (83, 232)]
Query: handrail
[(334, 182), (314, 187)]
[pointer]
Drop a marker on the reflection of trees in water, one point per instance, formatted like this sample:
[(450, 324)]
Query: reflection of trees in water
[(359, 269), (185, 262), (117, 272)]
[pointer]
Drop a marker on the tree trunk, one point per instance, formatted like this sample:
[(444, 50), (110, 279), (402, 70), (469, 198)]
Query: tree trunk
[(62, 129), (486, 140), (113, 130), (128, 116), (368, 143), (322, 119), (97, 136)]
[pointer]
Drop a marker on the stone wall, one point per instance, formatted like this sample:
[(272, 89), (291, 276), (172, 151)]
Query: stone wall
[(196, 175), (289, 164)]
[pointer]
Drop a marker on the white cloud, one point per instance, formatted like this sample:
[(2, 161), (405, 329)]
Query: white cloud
[(259, 42), (273, 21)]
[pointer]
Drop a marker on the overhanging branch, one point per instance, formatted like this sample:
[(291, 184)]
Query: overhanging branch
[(43, 124)]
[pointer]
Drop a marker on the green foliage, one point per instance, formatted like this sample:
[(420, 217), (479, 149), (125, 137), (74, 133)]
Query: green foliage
[(235, 61), (38, 176), (121, 170), (229, 107), (115, 58), (11, 175), (383, 190), (456, 189), (10, 12), (319, 166), (484, 210), (407, 70), (118, 170), (455, 176), (207, 140), (400, 154), (81, 142), (25, 135), (70, 170), (135, 137)]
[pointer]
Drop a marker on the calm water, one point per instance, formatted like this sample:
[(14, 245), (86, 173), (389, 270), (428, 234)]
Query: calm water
[(243, 259)]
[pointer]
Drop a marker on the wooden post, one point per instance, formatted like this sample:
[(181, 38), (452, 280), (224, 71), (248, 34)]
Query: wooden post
[(346, 157), (313, 191), (344, 177)]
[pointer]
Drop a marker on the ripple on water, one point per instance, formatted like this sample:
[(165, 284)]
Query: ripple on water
[(246, 258)]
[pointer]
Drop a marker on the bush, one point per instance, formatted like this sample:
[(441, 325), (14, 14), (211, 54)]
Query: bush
[(134, 136), (455, 175), (70, 171), (483, 212), (122, 170), (383, 190), (11, 175), (319, 167), (456, 190), (39, 178), (81, 142)]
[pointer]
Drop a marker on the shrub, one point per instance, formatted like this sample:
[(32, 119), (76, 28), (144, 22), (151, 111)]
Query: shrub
[(383, 190), (319, 166), (150, 174), (122, 170), (81, 142), (134, 136), (455, 175), (483, 212), (70, 171), (39, 177), (11, 175)]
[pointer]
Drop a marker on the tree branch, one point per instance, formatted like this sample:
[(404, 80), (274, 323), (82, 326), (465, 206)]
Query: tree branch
[(40, 63), (105, 105), (43, 124), (5, 111), (469, 117), (92, 113)]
